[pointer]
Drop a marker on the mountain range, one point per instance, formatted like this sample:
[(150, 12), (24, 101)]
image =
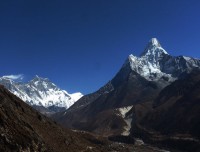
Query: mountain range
[(41, 93), (153, 97)]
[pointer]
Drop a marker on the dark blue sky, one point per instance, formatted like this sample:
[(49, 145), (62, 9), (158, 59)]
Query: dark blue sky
[(81, 44)]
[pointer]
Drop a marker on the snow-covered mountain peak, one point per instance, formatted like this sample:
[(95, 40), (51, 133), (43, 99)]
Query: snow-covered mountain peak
[(42, 84), (37, 78), (149, 61), (155, 42), (153, 49), (41, 92), (155, 63)]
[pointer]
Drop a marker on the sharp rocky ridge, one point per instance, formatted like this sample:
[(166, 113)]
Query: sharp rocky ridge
[(41, 92), (155, 63)]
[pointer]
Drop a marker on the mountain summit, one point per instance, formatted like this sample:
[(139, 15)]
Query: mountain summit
[(153, 48), (154, 41), (155, 63), (41, 92)]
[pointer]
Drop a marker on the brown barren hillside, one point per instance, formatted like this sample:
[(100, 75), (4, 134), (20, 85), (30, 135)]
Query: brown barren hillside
[(23, 129)]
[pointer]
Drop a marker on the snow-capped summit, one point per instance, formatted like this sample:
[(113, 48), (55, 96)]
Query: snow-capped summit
[(154, 42), (42, 83), (153, 49), (155, 63), (41, 92)]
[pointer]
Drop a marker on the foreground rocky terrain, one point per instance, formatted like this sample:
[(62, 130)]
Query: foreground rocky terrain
[(23, 129)]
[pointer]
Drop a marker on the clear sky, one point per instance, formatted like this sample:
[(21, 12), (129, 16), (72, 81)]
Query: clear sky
[(81, 44)]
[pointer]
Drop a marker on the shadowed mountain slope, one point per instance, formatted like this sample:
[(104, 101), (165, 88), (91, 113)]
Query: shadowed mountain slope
[(173, 119), (23, 129), (138, 81)]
